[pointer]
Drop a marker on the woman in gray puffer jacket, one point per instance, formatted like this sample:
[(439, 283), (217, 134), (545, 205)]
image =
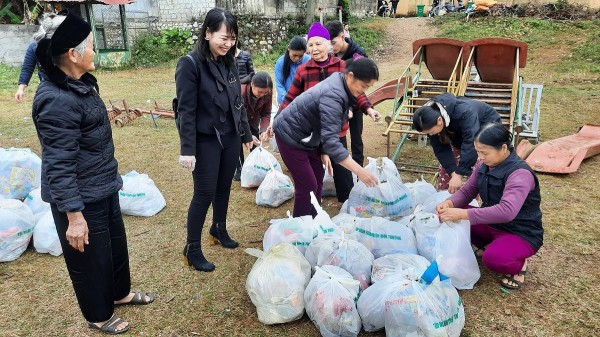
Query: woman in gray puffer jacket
[(308, 131)]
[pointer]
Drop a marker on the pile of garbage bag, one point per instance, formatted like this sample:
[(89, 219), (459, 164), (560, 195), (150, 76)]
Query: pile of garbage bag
[(139, 196), (20, 172)]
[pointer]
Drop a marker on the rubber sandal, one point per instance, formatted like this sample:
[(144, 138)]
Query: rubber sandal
[(110, 326), (139, 298), (511, 279)]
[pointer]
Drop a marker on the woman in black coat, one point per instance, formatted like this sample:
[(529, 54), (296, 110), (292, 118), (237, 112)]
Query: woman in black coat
[(451, 123), (213, 124)]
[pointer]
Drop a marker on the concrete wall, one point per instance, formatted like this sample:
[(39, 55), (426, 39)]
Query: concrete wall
[(14, 40)]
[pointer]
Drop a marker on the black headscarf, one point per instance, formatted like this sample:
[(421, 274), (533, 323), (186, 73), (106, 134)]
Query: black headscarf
[(71, 32)]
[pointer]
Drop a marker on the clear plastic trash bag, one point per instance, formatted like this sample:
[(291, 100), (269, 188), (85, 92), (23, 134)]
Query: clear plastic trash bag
[(45, 237), (38, 206), (275, 189), (276, 283), (297, 231), (256, 166), (16, 228), (382, 236), (330, 302), (139, 196), (421, 190), (408, 264), (20, 172)]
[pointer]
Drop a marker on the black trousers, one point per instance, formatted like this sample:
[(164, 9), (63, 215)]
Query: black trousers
[(342, 178), (215, 166), (241, 161), (356, 142), (100, 274)]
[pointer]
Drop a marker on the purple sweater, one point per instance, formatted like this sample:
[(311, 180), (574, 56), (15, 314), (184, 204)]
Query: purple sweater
[(518, 186)]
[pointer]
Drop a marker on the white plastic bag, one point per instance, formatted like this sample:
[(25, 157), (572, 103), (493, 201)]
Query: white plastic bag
[(389, 198), (256, 166), (328, 185), (455, 256), (275, 189), (382, 236), (16, 228), (435, 199), (35, 203), (20, 172), (297, 231), (425, 226), (342, 251), (416, 309), (346, 222), (405, 264), (139, 196), (421, 190), (45, 237), (276, 283), (329, 299)]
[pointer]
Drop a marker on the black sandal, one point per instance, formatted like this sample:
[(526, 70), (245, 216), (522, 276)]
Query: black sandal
[(110, 326), (139, 298), (511, 279)]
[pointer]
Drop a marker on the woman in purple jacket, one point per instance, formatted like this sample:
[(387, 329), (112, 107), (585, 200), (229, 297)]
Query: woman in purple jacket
[(507, 229)]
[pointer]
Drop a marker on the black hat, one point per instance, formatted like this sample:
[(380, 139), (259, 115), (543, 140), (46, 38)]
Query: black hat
[(69, 34)]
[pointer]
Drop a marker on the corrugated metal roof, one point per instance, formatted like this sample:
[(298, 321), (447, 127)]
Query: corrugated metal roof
[(104, 2)]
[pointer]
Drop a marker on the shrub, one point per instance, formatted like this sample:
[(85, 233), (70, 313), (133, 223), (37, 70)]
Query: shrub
[(150, 49)]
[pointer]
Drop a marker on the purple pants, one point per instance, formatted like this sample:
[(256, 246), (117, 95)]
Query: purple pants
[(307, 171), (505, 252)]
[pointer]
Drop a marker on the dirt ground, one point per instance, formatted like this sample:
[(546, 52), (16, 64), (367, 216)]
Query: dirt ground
[(560, 297)]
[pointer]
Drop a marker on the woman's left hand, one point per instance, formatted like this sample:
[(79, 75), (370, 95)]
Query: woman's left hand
[(327, 162), (453, 214), (374, 114)]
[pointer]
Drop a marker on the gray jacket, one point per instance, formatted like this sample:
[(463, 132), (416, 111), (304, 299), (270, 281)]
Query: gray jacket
[(315, 119)]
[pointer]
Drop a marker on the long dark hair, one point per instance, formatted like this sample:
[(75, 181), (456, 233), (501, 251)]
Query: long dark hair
[(426, 117), (494, 135), (296, 43), (213, 21)]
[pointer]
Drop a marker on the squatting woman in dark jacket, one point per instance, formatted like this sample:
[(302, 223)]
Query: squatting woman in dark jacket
[(80, 179), (451, 123), (213, 123), (507, 229), (307, 131)]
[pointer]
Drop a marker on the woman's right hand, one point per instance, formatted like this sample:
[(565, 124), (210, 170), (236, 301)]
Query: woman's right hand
[(444, 205), (367, 177)]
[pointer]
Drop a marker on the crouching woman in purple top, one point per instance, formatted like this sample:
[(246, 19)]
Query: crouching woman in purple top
[(507, 229)]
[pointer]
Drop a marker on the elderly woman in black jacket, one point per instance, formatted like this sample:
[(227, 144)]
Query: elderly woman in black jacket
[(308, 131), (213, 124), (79, 174), (451, 123)]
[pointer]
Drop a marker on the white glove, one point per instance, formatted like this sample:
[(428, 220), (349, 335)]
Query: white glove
[(188, 162)]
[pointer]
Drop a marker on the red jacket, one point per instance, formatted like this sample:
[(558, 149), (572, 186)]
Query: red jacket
[(310, 73), (259, 113)]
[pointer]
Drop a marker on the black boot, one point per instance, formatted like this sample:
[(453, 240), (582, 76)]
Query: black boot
[(192, 256), (237, 176), (218, 234)]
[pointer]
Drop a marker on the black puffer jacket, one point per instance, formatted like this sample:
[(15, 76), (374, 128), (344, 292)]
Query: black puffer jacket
[(315, 118), (466, 118), (244, 63), (353, 48), (78, 162)]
